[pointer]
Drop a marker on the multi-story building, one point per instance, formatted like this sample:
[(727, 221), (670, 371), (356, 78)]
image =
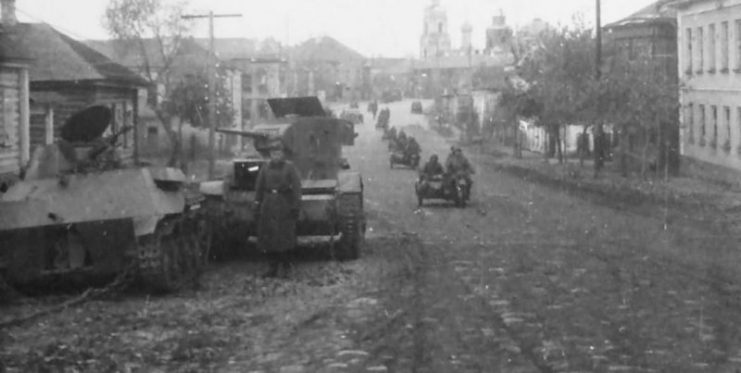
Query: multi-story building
[(325, 67), (648, 38), (709, 45)]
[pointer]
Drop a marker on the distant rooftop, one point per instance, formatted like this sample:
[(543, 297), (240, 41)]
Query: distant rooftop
[(324, 49), (57, 57), (659, 11)]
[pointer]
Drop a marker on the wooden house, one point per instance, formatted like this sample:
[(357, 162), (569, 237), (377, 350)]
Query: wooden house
[(14, 106)]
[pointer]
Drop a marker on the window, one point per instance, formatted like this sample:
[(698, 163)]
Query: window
[(700, 51), (6, 120), (690, 120), (714, 118), (724, 47), (688, 55), (727, 124), (711, 48), (738, 45), (702, 125)]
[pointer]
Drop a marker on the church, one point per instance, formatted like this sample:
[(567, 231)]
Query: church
[(444, 69)]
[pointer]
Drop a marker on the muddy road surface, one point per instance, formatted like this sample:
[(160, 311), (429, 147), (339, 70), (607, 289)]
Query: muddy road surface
[(526, 278)]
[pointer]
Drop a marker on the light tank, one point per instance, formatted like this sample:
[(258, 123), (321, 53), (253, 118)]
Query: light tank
[(79, 213), (332, 195)]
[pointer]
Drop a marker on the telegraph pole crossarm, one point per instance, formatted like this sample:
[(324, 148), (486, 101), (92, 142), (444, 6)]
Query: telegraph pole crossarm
[(211, 71)]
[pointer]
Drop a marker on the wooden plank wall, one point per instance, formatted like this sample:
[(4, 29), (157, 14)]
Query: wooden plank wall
[(10, 120)]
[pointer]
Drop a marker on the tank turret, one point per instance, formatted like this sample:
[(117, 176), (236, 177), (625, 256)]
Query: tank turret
[(313, 140), (81, 146)]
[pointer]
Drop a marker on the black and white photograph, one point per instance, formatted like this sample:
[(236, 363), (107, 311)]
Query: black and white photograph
[(360, 186)]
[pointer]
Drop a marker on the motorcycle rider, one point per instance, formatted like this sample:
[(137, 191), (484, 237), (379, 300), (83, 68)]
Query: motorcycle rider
[(402, 140), (392, 134), (458, 165), (431, 169), (412, 148)]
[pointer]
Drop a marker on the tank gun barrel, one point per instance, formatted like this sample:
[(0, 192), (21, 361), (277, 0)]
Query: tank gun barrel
[(251, 134)]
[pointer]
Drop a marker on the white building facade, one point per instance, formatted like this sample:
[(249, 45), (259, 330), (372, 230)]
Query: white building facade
[(709, 59)]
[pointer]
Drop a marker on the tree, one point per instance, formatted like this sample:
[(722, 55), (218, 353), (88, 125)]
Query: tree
[(155, 31), (644, 102), (189, 99)]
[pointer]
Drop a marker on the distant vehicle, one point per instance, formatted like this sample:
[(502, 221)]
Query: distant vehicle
[(383, 119), (352, 115), (391, 95), (399, 157), (416, 107)]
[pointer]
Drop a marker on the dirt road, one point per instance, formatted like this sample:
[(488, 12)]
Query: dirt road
[(525, 279)]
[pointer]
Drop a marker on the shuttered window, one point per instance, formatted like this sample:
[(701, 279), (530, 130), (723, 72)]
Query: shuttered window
[(9, 109)]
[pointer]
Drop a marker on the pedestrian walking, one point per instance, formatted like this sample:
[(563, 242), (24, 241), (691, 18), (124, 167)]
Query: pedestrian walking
[(278, 200)]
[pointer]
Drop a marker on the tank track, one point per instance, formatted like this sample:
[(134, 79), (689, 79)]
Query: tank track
[(352, 226), (174, 255)]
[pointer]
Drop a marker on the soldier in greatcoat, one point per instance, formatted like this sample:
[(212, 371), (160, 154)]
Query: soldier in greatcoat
[(278, 199)]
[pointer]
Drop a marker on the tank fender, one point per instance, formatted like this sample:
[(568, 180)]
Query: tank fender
[(350, 182), (167, 174)]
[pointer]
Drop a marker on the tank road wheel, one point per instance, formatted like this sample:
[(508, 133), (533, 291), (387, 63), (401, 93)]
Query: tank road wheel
[(164, 257), (352, 226)]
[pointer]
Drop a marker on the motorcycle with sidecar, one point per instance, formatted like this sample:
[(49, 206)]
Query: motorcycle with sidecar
[(399, 157), (455, 188)]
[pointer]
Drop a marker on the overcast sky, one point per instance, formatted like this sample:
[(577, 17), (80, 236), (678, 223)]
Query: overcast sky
[(373, 27)]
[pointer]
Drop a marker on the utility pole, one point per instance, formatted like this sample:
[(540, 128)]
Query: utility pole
[(211, 72), (597, 134), (598, 55)]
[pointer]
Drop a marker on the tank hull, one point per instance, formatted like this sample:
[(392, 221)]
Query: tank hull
[(91, 225), (321, 214)]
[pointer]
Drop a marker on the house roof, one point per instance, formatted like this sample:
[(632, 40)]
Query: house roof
[(659, 11), (325, 49), (128, 53), (57, 57)]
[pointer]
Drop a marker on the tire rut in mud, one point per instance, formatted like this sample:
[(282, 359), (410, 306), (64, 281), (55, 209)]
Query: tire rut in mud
[(436, 325)]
